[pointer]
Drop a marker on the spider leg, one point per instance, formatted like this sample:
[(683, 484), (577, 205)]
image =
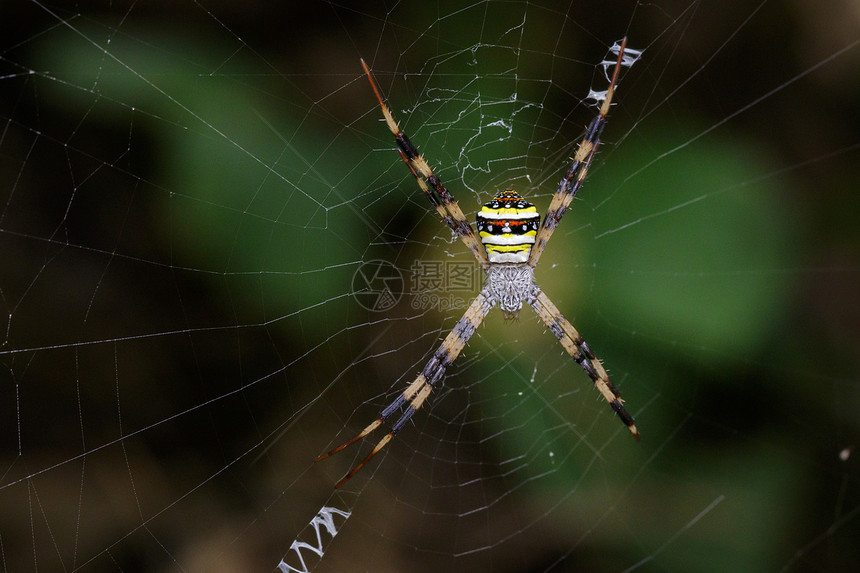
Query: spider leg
[(416, 393), (575, 346), (573, 179), (441, 199)]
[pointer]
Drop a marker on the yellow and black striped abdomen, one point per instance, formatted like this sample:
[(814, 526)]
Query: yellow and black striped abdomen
[(507, 226)]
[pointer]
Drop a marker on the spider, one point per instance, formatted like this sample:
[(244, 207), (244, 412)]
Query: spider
[(508, 245)]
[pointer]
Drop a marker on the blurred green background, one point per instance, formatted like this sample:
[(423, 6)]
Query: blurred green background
[(188, 190)]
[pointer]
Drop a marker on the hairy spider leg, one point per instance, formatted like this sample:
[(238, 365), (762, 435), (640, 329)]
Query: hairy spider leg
[(572, 181), (574, 344), (416, 393), (441, 199)]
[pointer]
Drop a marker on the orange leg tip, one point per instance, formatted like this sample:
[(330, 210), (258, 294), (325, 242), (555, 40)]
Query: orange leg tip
[(376, 423), (341, 482), (382, 443), (331, 453), (351, 473)]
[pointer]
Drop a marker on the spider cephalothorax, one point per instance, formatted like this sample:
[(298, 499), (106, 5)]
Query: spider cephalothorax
[(508, 244), (509, 286)]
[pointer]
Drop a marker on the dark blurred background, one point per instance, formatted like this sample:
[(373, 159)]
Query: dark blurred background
[(187, 190)]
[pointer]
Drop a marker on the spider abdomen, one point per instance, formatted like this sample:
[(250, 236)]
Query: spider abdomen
[(507, 226)]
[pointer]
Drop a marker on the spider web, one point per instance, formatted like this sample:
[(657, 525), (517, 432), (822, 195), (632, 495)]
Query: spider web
[(214, 267)]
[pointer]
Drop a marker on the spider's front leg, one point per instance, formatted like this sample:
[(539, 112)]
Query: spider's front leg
[(416, 393), (441, 199), (575, 346), (573, 179)]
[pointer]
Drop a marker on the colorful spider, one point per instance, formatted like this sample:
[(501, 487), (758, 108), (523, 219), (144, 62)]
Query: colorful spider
[(512, 238)]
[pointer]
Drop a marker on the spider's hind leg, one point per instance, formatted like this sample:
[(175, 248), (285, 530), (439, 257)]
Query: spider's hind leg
[(580, 351), (414, 396)]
